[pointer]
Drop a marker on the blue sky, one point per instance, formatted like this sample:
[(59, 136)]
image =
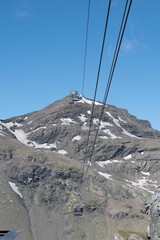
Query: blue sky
[(42, 54)]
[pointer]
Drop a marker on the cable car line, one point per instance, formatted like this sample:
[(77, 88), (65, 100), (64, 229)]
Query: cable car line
[(86, 46), (118, 45), (114, 61), (97, 81)]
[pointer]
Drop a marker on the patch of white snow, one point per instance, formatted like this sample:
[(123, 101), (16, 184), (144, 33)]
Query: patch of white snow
[(89, 163), (143, 183), (67, 121), (77, 138), (22, 137), (121, 120), (103, 137), (84, 127), (44, 127), (129, 134), (145, 173), (106, 175), (116, 121), (15, 188), (104, 163), (128, 157), (62, 152), (44, 145), (82, 117), (111, 135), (102, 124), (90, 102)]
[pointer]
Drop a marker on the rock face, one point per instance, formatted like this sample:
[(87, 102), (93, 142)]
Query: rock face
[(131, 237), (43, 160), (153, 210)]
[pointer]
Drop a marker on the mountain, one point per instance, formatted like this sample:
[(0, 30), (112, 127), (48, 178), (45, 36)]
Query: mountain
[(42, 167)]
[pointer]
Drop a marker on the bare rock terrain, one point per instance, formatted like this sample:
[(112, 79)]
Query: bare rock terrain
[(43, 160)]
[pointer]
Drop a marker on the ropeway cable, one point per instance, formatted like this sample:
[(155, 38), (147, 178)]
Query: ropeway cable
[(114, 61), (97, 81), (86, 46)]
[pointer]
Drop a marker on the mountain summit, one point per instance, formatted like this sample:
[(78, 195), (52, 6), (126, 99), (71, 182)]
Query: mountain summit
[(42, 166)]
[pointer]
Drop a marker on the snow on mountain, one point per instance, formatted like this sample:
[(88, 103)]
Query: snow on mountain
[(82, 117), (15, 188), (116, 121), (77, 138), (44, 154)]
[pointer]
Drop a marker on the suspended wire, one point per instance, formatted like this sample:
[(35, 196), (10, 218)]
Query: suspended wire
[(114, 61), (86, 46), (97, 81)]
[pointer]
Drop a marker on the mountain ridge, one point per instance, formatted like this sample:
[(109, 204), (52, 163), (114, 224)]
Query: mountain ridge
[(43, 153)]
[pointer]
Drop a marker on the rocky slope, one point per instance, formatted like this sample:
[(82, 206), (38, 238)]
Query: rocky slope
[(42, 155)]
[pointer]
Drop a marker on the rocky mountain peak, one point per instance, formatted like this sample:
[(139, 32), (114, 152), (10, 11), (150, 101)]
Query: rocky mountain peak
[(42, 155)]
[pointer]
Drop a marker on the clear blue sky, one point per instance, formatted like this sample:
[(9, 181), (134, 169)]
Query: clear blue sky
[(42, 54)]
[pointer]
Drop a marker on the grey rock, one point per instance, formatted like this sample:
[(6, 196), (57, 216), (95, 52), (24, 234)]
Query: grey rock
[(153, 210), (116, 186), (134, 237), (118, 237)]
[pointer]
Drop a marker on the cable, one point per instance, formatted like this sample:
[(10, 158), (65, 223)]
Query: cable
[(97, 81), (86, 46), (114, 61)]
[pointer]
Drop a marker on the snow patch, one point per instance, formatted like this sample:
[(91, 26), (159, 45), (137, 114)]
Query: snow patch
[(104, 163), (44, 127), (132, 161), (89, 163), (143, 183), (89, 112), (116, 121), (102, 124), (62, 152), (22, 137), (103, 137), (84, 127), (145, 173), (82, 117), (77, 138), (44, 145), (120, 119), (90, 102), (67, 121), (11, 124), (106, 175), (111, 135), (128, 157), (140, 184), (15, 188), (129, 134)]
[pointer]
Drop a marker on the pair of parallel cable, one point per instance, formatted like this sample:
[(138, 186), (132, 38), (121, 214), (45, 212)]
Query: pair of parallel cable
[(109, 80)]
